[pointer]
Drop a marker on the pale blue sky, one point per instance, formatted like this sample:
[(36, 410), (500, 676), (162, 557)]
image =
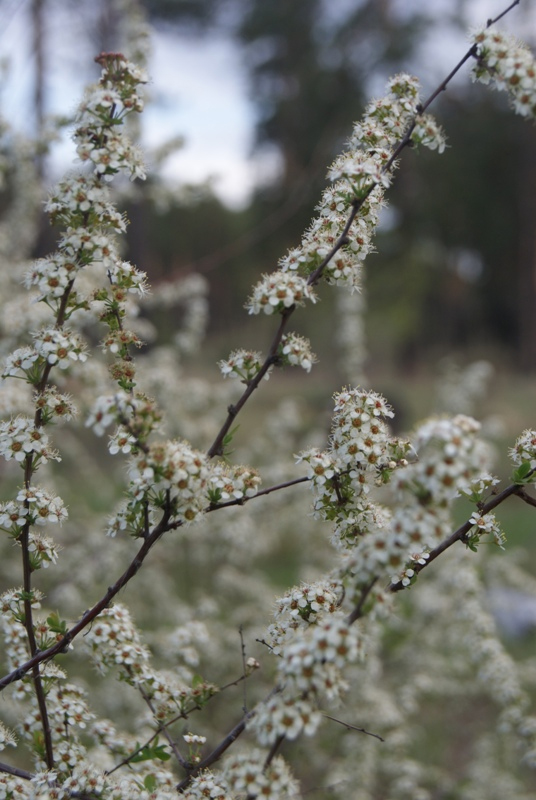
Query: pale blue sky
[(198, 87)]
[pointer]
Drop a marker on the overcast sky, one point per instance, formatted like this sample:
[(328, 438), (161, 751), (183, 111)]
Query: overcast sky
[(198, 87)]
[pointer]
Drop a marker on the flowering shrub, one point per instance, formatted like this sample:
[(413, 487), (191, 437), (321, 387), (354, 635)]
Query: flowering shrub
[(381, 512)]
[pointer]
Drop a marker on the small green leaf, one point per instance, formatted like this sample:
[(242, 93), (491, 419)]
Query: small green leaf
[(56, 624), (150, 782), (151, 752), (521, 474)]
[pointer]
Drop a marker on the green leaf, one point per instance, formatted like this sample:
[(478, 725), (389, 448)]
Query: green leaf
[(523, 473), (229, 437), (150, 782), (56, 624), (151, 752)]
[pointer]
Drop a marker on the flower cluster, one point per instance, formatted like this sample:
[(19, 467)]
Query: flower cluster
[(524, 450), (136, 411), (296, 351), (232, 483), (207, 785), (115, 642), (116, 96), (243, 364), (19, 437), (278, 291), (34, 506), (361, 174), (509, 65), (59, 347), (248, 776), (170, 475)]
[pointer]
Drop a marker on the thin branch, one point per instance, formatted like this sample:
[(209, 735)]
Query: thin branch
[(462, 531), (182, 761), (358, 610), (216, 449), (352, 727), (218, 751), (241, 501), (18, 773), (243, 653), (183, 715), (273, 751), (526, 497), (217, 446), (63, 645)]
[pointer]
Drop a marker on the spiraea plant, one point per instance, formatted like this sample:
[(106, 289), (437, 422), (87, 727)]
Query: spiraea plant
[(209, 681)]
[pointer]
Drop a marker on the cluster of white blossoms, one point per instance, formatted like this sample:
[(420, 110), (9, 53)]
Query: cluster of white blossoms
[(524, 450), (315, 644), (279, 291), (173, 475), (248, 775), (115, 642), (296, 351), (360, 174), (117, 95), (509, 65), (207, 785), (19, 438), (59, 347), (243, 364), (361, 454), (450, 458), (229, 482)]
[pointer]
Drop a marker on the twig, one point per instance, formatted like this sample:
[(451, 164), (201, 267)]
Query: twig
[(216, 449), (18, 773), (243, 652), (217, 446), (458, 534), (63, 645), (243, 500), (182, 761), (352, 727), (217, 753), (273, 750), (358, 610), (526, 497)]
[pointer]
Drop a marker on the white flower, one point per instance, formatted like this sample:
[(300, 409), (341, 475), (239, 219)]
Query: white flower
[(279, 291)]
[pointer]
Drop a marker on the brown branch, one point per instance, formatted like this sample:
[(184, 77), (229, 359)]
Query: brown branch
[(273, 751), (18, 773), (216, 449), (217, 446), (218, 751), (352, 727), (358, 610), (526, 497), (88, 617), (182, 761), (241, 501), (460, 533)]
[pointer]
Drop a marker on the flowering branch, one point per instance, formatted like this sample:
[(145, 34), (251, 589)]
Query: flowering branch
[(461, 532)]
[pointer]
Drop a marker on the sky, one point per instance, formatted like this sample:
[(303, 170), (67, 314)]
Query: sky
[(198, 88)]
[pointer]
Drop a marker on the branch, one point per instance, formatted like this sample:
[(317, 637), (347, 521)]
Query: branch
[(462, 531), (218, 751), (526, 497), (217, 446), (18, 773), (352, 727), (88, 617), (216, 449), (241, 501), (178, 755), (358, 610)]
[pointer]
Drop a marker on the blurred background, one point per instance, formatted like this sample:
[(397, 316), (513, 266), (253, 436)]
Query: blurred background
[(259, 97)]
